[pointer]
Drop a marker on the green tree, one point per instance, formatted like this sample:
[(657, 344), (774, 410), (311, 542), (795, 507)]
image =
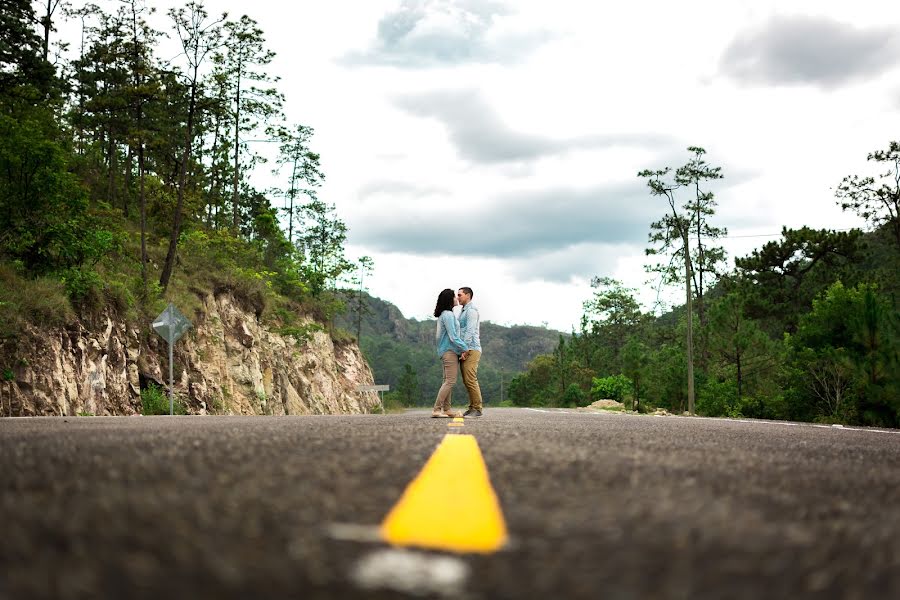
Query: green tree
[(104, 75), (877, 200), (322, 246), (671, 236), (46, 22), (359, 305), (780, 280), (408, 386), (531, 388), (143, 88), (44, 216), (26, 78), (707, 260), (635, 361), (613, 315), (667, 378), (738, 341), (305, 169), (845, 355), (245, 61), (199, 36)]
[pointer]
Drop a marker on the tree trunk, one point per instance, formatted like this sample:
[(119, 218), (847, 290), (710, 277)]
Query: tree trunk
[(46, 22), (143, 202), (111, 160), (690, 324), (212, 186), (127, 191), (182, 182), (237, 151), (291, 208)]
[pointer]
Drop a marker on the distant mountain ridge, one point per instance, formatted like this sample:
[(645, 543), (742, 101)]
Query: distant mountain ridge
[(389, 341)]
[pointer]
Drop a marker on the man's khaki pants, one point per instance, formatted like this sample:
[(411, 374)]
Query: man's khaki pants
[(469, 368)]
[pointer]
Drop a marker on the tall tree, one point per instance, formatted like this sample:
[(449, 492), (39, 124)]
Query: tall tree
[(322, 246), (219, 118), (738, 340), (26, 78), (635, 360), (846, 353), (104, 77), (199, 37), (614, 314), (877, 200), (49, 7), (143, 88), (360, 307), (705, 258), (304, 163), (672, 234), (245, 60)]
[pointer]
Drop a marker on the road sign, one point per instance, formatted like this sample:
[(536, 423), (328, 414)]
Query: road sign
[(171, 325), (373, 388)]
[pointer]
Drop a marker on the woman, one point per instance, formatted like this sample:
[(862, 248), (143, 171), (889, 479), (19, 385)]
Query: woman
[(449, 348)]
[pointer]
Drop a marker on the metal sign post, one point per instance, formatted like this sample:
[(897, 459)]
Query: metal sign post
[(375, 388), (171, 325)]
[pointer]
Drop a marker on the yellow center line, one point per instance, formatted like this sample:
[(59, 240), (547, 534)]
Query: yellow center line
[(454, 476)]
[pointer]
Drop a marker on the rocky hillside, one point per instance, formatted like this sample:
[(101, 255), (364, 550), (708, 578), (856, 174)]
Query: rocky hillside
[(228, 363)]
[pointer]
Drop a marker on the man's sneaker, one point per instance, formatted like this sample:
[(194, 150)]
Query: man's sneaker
[(472, 412)]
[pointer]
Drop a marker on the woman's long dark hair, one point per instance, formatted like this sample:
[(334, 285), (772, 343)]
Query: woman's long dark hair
[(444, 302)]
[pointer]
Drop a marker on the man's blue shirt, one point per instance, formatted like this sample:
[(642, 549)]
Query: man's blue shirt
[(469, 324)]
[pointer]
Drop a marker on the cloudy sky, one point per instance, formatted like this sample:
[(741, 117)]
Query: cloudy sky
[(497, 144)]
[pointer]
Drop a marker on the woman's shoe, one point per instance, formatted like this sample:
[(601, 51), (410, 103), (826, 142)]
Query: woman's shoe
[(444, 414)]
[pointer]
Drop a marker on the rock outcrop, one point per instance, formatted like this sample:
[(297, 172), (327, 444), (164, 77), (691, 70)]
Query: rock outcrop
[(228, 363)]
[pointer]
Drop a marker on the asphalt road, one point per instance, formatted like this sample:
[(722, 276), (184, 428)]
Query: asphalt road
[(596, 505)]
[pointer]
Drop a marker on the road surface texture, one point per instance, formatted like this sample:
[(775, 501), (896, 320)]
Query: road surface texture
[(605, 506)]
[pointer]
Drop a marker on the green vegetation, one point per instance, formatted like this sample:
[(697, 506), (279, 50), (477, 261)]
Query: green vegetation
[(124, 179), (154, 401), (805, 328)]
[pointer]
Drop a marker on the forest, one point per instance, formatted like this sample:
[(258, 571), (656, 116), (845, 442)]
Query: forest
[(125, 178), (804, 328)]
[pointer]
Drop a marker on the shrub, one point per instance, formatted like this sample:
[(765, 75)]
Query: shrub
[(718, 399), (575, 396), (83, 285), (155, 402), (614, 387)]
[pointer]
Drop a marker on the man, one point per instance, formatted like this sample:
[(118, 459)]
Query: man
[(469, 332)]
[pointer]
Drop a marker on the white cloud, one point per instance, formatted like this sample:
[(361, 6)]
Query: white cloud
[(429, 33), (802, 49)]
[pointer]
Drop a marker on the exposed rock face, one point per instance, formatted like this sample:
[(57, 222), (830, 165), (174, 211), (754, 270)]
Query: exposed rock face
[(228, 363)]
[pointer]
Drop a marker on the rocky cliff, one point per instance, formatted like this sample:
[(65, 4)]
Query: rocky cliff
[(228, 363)]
